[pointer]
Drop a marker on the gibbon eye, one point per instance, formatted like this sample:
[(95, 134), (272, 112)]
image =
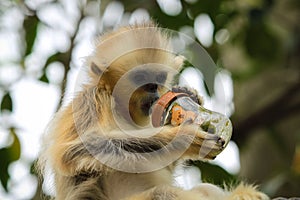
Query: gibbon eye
[(161, 78)]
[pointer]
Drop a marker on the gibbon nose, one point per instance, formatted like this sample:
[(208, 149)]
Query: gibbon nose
[(151, 87)]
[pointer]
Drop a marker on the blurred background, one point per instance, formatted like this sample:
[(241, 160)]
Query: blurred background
[(254, 43)]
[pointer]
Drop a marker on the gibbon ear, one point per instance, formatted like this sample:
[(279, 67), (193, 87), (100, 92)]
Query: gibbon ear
[(95, 69)]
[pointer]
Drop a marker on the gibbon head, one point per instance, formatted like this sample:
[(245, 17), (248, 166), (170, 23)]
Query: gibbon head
[(136, 65)]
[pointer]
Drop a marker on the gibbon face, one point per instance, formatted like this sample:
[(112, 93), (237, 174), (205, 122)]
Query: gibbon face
[(136, 90), (148, 91), (150, 85), (137, 72)]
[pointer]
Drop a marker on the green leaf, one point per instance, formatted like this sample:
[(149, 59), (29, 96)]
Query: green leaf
[(44, 78), (30, 26), (53, 58), (4, 175), (56, 57), (9, 155), (214, 174), (6, 103), (15, 148)]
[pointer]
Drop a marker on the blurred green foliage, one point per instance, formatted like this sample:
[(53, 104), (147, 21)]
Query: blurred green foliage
[(6, 103), (215, 174), (262, 54), (30, 25), (8, 155)]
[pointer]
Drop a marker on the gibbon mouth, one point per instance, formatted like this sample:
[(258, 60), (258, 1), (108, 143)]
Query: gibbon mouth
[(147, 104)]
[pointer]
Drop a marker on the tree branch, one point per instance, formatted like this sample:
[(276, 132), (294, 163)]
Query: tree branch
[(279, 109)]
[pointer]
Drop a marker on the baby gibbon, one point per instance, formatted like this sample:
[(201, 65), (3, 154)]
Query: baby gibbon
[(102, 146)]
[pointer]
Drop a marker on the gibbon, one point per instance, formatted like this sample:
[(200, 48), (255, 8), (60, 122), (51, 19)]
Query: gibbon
[(102, 145)]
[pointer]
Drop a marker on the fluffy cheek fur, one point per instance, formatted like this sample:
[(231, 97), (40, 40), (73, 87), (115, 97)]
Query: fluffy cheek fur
[(137, 105)]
